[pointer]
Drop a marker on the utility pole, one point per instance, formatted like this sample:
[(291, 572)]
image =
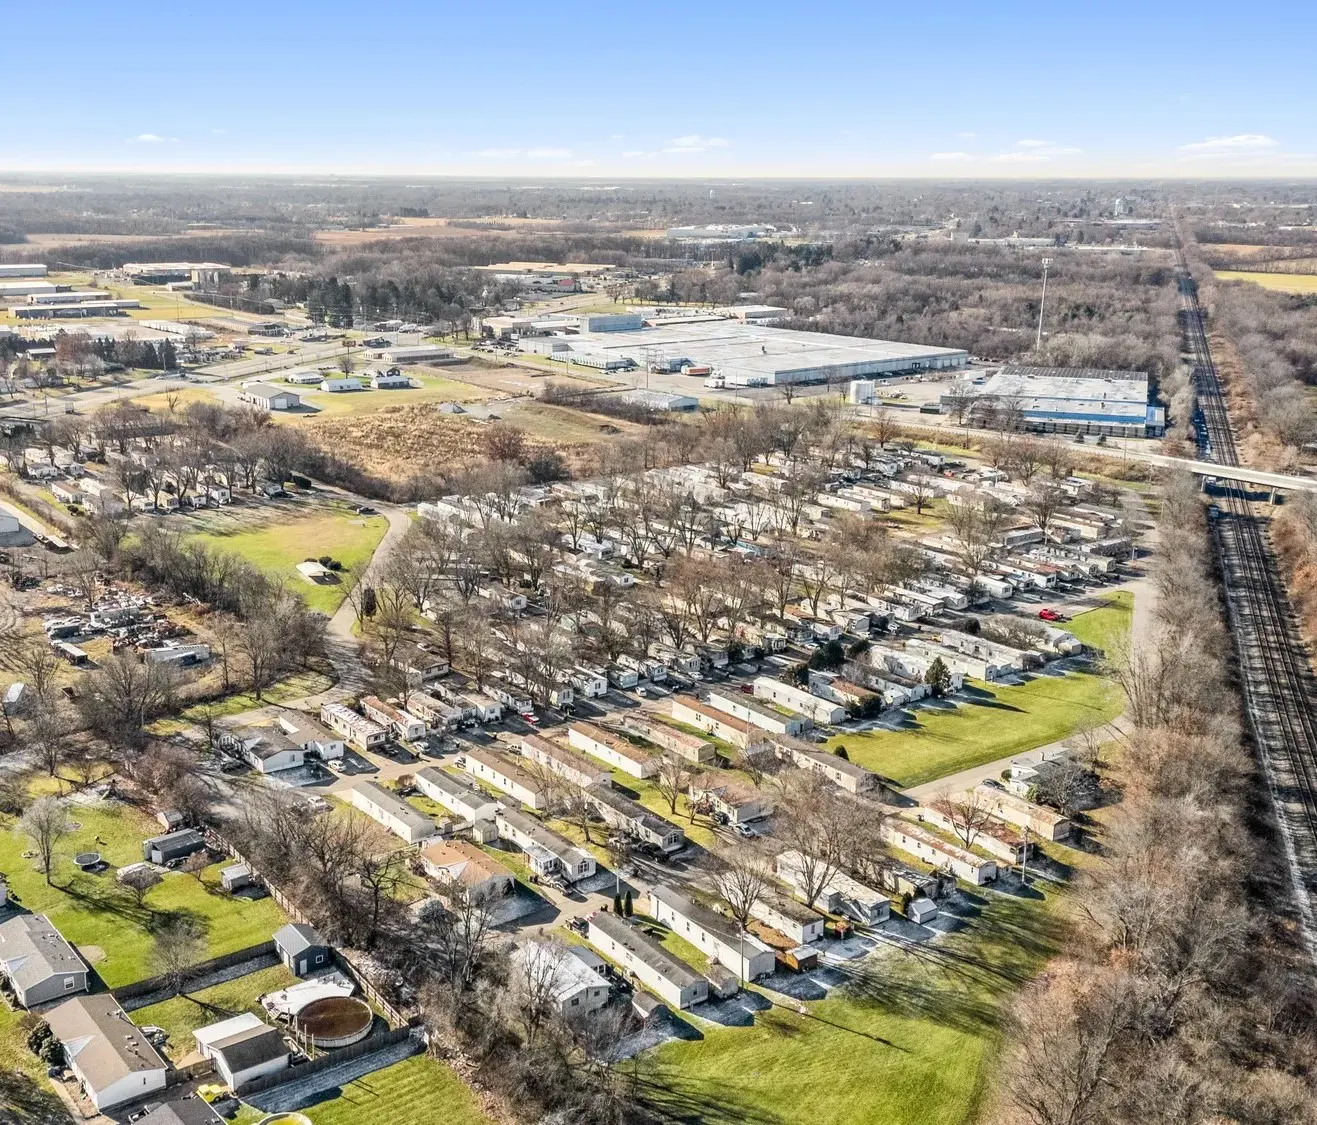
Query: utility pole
[(1024, 859), (1038, 340)]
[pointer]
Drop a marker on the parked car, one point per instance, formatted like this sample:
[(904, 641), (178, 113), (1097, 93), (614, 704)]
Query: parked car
[(745, 831), (1051, 615)]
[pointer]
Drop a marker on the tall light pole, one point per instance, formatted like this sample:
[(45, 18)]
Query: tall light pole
[(1038, 340)]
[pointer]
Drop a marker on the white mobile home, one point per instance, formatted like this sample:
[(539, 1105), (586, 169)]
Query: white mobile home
[(390, 810), (579, 769), (548, 853), (613, 749), (668, 977), (713, 934), (504, 774), (932, 849), (460, 797), (822, 711)]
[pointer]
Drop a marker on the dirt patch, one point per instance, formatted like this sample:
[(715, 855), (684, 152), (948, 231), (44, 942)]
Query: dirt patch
[(92, 954)]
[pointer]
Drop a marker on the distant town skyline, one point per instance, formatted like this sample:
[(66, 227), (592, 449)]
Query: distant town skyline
[(1023, 90)]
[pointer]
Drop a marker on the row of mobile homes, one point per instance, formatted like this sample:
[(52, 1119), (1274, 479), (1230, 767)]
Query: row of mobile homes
[(840, 894), (633, 819), (548, 853), (467, 802), (715, 935), (644, 958), (578, 769), (356, 729), (758, 715), (615, 750), (386, 808), (719, 724), (738, 803), (940, 853), (695, 750), (822, 711), (398, 722), (504, 774)]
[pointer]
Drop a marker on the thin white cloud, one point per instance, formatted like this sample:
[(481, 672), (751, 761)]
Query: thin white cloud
[(950, 157), (638, 154), (1240, 142), (967, 136), (1031, 151), (219, 132), (499, 153), (150, 139), (694, 143)]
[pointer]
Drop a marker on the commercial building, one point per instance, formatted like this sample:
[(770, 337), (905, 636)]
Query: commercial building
[(22, 269), (161, 273), (66, 310), (415, 353), (667, 976), (269, 397), (1062, 400), (504, 774), (548, 853), (465, 801), (616, 751), (715, 935), (747, 354), (68, 296), (10, 289), (390, 810), (108, 1055), (37, 962)]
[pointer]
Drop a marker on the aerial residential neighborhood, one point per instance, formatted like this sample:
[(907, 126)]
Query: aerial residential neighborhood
[(666, 613)]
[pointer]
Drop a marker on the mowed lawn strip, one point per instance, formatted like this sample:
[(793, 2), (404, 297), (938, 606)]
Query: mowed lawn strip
[(909, 1038), (94, 911), (278, 548), (1107, 626), (183, 1015), (416, 1091), (994, 722)]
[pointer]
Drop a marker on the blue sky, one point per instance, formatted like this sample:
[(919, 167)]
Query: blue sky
[(673, 89)]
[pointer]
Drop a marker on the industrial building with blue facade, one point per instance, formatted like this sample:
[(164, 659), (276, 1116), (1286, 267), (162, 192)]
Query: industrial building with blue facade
[(1060, 400)]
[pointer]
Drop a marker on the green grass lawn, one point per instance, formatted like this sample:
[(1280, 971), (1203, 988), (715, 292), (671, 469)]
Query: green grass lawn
[(1108, 626), (913, 1039), (416, 1091), (294, 687), (996, 721), (278, 548), (102, 918), (183, 1015)]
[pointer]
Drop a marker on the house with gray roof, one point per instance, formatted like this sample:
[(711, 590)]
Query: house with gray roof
[(38, 963), (667, 976), (109, 1056)]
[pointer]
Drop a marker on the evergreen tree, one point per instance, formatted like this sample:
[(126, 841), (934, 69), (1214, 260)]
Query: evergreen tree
[(938, 678), (617, 905), (627, 904)]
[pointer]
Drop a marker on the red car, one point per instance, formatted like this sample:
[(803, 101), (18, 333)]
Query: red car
[(1050, 615)]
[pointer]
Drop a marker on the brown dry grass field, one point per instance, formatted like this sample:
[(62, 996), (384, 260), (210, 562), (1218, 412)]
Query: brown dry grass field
[(434, 227)]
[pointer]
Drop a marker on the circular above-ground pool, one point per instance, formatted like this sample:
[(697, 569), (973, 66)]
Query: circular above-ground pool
[(335, 1021), (85, 860)]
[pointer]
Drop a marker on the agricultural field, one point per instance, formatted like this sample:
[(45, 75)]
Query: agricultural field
[(102, 918), (184, 1014), (278, 546), (1280, 282), (911, 1037)]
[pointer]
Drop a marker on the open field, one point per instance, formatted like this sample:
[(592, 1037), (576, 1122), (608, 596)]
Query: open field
[(1281, 282), (319, 404), (1107, 626), (912, 1040), (102, 918), (988, 722), (416, 1091), (277, 548), (183, 1015)]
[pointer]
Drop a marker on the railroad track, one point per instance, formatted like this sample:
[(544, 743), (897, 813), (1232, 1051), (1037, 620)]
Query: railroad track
[(1275, 669)]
